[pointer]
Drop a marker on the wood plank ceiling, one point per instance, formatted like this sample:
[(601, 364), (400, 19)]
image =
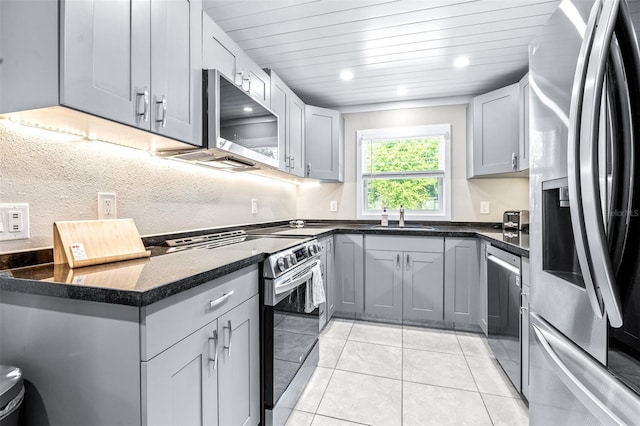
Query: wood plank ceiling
[(397, 50)]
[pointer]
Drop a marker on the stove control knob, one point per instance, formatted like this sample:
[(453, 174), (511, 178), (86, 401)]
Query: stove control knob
[(311, 250), (292, 259), (318, 248), (281, 264)]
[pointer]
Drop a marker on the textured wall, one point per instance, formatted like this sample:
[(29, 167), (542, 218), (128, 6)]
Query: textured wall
[(503, 193), (60, 177)]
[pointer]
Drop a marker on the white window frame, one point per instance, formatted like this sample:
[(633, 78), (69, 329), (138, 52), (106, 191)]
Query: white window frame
[(406, 132)]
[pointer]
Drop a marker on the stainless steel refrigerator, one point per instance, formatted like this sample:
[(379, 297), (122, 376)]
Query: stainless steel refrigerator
[(585, 216)]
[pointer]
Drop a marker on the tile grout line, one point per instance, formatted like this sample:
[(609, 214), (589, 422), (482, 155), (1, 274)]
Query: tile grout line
[(475, 382)]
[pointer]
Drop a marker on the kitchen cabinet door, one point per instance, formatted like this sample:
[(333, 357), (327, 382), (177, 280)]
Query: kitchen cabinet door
[(215, 55), (176, 69), (105, 59), (483, 289), (524, 327), (330, 279), (495, 135), (279, 104), (423, 286), (383, 277), (349, 274), (239, 365), (180, 385), (295, 134), (461, 271), (523, 159), (324, 147)]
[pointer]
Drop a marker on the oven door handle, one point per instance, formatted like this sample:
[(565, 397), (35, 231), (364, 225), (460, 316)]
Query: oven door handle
[(504, 264), (283, 288)]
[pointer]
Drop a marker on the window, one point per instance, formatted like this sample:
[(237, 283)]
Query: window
[(408, 167)]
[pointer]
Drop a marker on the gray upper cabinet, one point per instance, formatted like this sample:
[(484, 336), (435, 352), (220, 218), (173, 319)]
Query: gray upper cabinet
[(106, 59), (383, 295), (220, 52), (349, 274), (494, 136), (523, 160), (324, 145), (135, 62), (461, 280), (290, 111)]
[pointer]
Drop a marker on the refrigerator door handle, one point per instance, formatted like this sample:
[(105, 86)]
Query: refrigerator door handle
[(601, 393), (573, 160), (597, 244)]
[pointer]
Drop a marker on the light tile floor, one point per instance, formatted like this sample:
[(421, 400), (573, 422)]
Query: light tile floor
[(380, 374)]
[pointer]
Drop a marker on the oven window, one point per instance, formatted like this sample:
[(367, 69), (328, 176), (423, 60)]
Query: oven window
[(295, 333)]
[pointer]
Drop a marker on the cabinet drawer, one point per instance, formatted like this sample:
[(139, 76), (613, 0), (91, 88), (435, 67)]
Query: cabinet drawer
[(396, 243), (168, 321)]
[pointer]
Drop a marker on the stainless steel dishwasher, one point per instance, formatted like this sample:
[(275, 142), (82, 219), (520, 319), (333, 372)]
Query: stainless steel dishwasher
[(504, 302)]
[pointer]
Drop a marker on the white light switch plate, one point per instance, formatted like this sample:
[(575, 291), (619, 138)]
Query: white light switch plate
[(484, 207), (14, 221)]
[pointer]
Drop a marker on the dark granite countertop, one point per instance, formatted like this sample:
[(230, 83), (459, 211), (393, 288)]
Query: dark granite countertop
[(144, 281)]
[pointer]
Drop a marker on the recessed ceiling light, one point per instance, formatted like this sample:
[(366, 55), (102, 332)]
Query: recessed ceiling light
[(346, 75), (248, 109), (461, 62), (401, 91)]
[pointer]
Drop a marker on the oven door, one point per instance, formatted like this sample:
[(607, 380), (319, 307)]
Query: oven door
[(291, 337)]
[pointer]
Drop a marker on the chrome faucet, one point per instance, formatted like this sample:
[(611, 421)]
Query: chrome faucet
[(401, 216)]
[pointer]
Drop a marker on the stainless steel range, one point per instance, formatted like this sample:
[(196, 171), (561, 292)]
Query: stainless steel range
[(290, 327)]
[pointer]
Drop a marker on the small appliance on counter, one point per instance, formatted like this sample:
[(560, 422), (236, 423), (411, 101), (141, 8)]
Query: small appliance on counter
[(516, 220)]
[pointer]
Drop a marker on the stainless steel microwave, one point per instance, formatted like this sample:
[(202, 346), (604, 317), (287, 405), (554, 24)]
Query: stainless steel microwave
[(236, 123)]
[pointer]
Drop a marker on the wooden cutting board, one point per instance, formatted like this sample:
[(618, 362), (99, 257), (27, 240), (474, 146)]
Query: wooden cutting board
[(94, 242)]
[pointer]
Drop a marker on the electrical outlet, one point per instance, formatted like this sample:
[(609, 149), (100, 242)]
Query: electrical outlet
[(254, 206), (107, 205), (333, 206), (484, 207), (14, 221)]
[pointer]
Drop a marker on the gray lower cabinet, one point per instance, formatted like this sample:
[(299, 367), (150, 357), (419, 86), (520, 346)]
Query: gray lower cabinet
[(482, 300), (461, 279), (328, 273), (135, 62), (180, 361), (348, 294), (182, 382), (404, 278), (423, 286), (324, 144), (383, 296)]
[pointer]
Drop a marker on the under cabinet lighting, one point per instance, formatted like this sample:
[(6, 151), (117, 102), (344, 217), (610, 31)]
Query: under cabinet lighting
[(402, 91), (248, 109)]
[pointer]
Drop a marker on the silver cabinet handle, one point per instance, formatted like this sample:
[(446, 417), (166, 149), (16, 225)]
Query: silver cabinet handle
[(239, 78), (398, 261), (287, 161), (220, 300), (145, 104), (228, 347), (214, 360), (163, 108), (514, 161), (408, 265), (293, 163), (308, 169), (247, 80)]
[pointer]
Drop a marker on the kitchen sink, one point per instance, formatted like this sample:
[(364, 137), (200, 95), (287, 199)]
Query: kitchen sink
[(407, 227)]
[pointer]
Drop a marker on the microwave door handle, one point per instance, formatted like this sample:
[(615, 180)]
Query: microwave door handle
[(597, 243), (573, 160)]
